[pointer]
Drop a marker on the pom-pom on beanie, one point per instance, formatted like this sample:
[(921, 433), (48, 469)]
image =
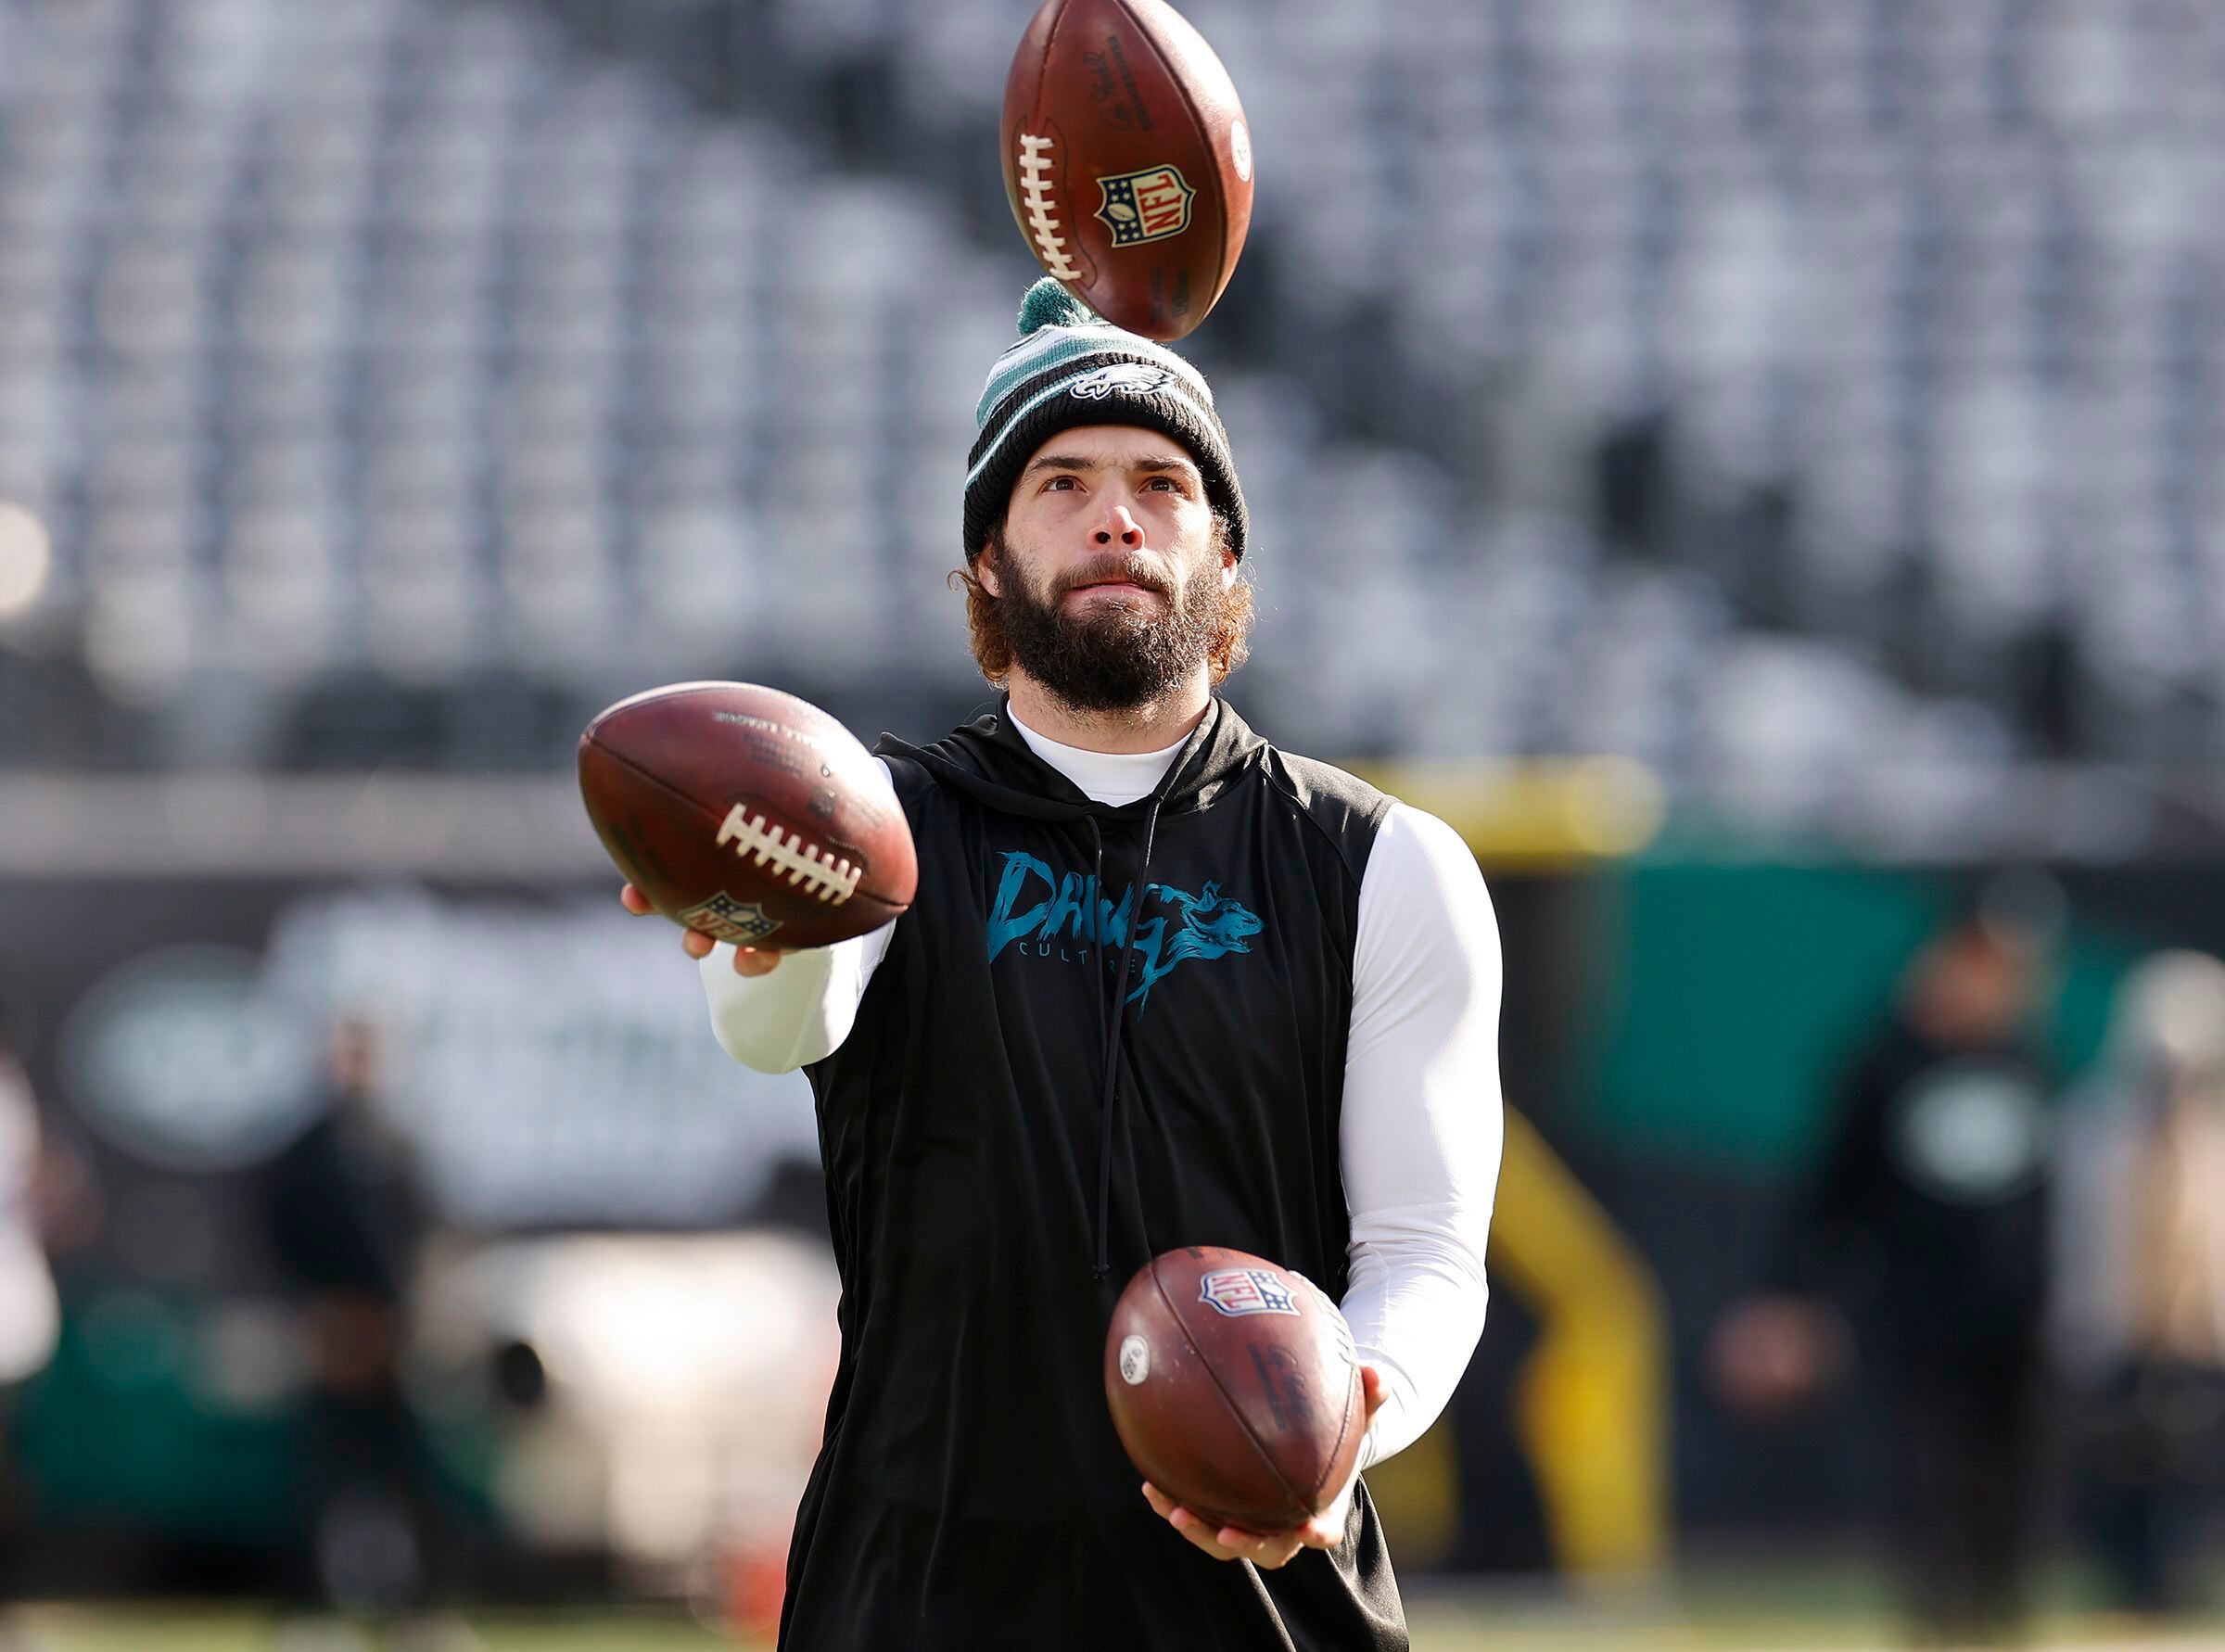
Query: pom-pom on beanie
[(1070, 368)]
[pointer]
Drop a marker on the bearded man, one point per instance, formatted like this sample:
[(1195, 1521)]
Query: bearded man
[(1162, 984)]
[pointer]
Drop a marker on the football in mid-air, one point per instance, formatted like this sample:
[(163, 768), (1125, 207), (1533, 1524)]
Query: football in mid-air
[(1235, 1387), (1127, 161), (748, 814)]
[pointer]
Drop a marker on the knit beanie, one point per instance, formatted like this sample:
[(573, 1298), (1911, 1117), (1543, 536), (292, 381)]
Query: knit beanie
[(1071, 367)]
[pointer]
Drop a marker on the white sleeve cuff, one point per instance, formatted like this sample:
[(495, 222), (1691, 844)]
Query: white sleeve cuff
[(1416, 1305), (799, 1013)]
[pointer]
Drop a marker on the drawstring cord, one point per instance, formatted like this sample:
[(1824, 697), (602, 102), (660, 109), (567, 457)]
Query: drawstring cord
[(1110, 1099), (1097, 931)]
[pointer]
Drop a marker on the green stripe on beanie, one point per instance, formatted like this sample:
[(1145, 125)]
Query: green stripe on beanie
[(1071, 367)]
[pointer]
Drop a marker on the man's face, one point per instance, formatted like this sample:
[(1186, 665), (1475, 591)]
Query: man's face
[(1982, 985), (355, 1056), (1107, 570)]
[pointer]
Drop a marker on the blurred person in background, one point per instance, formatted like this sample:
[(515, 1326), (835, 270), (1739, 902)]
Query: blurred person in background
[(30, 1307), (343, 1219), (2141, 1304), (1921, 1243)]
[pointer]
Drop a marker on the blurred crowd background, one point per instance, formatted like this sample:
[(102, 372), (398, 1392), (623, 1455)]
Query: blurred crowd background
[(1757, 468)]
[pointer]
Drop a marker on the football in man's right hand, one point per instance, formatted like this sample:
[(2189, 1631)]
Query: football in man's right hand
[(748, 814)]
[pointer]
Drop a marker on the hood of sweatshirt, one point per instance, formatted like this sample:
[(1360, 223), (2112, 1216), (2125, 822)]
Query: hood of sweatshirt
[(990, 761)]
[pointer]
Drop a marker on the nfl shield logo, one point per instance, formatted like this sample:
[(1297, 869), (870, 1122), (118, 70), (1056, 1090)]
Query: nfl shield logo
[(1240, 1290), (1145, 206), (741, 922)]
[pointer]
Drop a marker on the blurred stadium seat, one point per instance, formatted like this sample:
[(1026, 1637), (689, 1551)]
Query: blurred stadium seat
[(401, 342)]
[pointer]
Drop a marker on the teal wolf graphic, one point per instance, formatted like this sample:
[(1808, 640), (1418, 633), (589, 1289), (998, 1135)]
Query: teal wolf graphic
[(1212, 925)]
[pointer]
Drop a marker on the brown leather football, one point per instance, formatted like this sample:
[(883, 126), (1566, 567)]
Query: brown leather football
[(1235, 1387), (1127, 161), (747, 813)]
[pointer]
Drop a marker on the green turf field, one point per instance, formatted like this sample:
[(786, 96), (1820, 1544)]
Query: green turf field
[(1747, 1620)]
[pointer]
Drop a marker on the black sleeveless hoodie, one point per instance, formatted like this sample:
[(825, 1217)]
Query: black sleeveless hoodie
[(1098, 1033)]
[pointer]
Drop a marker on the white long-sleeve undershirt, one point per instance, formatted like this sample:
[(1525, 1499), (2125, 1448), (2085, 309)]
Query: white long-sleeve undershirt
[(1420, 1134)]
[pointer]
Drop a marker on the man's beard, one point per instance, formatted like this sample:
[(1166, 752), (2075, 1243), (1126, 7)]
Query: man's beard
[(1111, 653)]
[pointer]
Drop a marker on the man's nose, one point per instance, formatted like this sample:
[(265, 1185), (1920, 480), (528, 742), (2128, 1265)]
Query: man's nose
[(1119, 527)]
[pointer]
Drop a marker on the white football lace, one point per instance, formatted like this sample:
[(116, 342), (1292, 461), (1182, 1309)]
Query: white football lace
[(1034, 191), (816, 871)]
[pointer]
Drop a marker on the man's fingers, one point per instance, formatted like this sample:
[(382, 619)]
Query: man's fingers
[(1199, 1534), (696, 943), (1230, 1543), (1194, 1530), (1260, 1550), (1202, 1534)]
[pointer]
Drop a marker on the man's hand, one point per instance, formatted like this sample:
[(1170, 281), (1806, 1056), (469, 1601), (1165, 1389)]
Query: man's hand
[(1272, 1549), (748, 960)]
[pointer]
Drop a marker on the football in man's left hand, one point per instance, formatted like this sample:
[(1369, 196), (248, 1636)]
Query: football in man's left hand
[(1235, 1388)]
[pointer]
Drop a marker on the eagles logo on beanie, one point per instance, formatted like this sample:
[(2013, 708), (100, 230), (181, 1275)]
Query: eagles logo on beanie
[(1071, 367)]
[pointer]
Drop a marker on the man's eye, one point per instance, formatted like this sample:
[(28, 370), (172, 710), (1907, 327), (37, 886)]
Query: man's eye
[(1060, 482)]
